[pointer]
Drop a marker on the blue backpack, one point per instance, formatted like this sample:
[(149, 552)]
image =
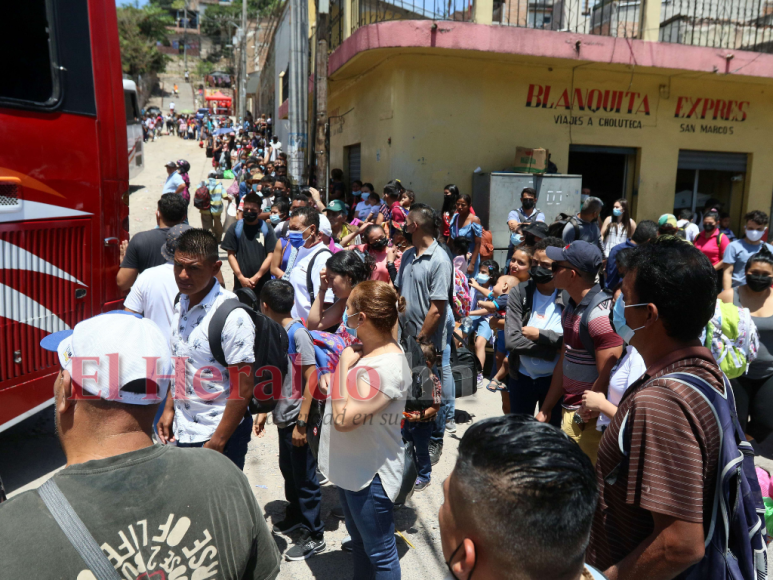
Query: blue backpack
[(735, 544), (263, 233)]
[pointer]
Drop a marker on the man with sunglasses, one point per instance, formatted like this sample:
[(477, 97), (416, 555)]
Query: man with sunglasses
[(591, 346)]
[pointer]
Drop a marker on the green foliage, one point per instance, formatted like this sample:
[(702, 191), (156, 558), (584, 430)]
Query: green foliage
[(219, 21), (139, 29), (204, 67)]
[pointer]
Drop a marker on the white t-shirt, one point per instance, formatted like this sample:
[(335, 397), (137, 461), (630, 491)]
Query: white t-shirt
[(364, 209), (351, 460), (152, 295), (690, 231), (626, 372), (171, 106), (298, 279)]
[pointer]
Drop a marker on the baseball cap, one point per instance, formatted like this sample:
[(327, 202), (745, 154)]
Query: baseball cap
[(537, 229), (171, 164), (115, 347), (667, 219), (580, 254), (324, 225), (172, 236), (336, 205)]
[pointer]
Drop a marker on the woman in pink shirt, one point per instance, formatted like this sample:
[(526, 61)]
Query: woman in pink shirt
[(376, 246), (712, 242)]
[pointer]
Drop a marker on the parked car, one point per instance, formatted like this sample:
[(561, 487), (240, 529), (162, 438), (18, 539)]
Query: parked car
[(153, 110)]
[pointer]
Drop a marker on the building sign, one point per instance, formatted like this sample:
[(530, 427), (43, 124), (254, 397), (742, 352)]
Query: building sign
[(714, 109)]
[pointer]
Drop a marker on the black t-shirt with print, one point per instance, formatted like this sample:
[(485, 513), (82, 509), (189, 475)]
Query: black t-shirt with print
[(144, 250), (160, 512), (251, 250)]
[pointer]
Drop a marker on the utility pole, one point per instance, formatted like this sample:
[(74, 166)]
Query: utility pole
[(299, 91), (243, 65), (320, 84), (185, 36)]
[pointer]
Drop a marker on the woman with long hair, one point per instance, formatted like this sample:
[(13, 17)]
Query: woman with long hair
[(361, 448), (618, 227), (450, 196), (465, 224)]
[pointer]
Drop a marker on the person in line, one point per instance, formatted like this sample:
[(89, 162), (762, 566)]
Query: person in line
[(250, 251), (713, 244), (296, 461), (646, 231), (534, 334), (533, 233), (143, 251), (578, 370), (754, 390), (483, 286), (105, 430), (279, 213), (515, 484), (618, 227), (684, 224), (425, 280), (336, 213), (376, 245), (220, 421), (397, 212), (308, 257), (737, 253), (283, 247), (154, 292), (524, 216), (587, 223), (652, 519), (364, 457), (467, 225), (724, 227), (450, 197), (210, 218)]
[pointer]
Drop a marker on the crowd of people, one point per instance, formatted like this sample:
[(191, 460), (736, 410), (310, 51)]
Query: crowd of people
[(602, 338)]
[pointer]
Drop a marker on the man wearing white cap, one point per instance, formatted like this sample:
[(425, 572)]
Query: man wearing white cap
[(123, 507), (204, 412)]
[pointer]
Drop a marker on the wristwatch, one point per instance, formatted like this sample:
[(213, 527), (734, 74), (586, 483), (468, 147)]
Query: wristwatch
[(301, 424)]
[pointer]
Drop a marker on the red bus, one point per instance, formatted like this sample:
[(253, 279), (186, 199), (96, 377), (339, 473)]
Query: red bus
[(63, 185)]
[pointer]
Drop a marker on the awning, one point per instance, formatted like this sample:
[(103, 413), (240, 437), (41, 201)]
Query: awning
[(218, 96)]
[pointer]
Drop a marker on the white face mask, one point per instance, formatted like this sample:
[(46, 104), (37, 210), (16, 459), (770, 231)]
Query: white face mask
[(755, 235)]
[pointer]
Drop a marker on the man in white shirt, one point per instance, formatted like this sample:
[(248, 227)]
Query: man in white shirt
[(513, 469), (307, 253), (276, 147), (153, 293), (203, 411), (171, 107), (690, 229), (174, 183)]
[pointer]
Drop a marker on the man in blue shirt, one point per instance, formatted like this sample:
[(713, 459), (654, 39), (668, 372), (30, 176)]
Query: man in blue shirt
[(174, 183), (525, 215), (646, 231), (738, 252)]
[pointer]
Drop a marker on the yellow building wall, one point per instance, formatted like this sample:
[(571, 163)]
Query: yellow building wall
[(446, 115)]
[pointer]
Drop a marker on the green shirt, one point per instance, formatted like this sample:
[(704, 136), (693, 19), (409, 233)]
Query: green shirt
[(160, 512)]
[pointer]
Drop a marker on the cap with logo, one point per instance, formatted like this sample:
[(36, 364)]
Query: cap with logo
[(667, 219), (112, 355), (336, 205), (580, 254), (172, 236)]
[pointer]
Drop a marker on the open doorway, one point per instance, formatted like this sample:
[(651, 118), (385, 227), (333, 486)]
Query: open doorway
[(606, 171)]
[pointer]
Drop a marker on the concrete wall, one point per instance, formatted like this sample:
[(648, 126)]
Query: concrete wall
[(281, 60), (449, 112)]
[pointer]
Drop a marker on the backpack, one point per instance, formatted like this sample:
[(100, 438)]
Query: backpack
[(422, 386), (201, 199), (596, 299), (461, 302), (239, 230), (556, 229), (309, 270), (732, 338), (465, 367), (486, 246), (735, 544)]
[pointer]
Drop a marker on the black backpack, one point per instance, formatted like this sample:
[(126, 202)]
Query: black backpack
[(556, 229), (465, 367), (420, 392), (597, 298)]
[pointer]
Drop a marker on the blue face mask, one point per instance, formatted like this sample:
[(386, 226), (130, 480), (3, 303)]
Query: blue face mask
[(617, 212), (255, 187), (275, 218), (515, 239), (296, 238), (619, 322), (352, 331), (365, 195), (482, 279), (356, 193)]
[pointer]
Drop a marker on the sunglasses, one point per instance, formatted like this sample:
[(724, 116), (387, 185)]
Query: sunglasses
[(555, 267)]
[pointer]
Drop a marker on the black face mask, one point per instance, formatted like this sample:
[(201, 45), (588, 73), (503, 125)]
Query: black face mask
[(708, 228), (407, 235), (541, 275), (250, 216), (527, 203), (758, 283), (378, 245)]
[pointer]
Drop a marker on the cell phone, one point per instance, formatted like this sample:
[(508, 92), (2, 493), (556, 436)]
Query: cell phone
[(577, 419)]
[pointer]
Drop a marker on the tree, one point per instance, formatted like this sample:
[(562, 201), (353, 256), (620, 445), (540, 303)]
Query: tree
[(220, 20), (139, 29)]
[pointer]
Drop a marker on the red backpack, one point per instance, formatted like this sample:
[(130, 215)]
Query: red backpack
[(201, 199), (486, 246)]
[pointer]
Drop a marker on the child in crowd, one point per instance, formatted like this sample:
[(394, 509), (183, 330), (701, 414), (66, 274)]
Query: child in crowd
[(483, 284), (418, 425), (724, 226)]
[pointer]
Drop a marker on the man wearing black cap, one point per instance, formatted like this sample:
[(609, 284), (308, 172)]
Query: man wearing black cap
[(534, 233), (591, 346)]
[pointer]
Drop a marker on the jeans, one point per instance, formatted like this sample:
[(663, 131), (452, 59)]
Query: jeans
[(370, 521), (419, 433), (236, 448), (299, 470), (448, 394), (526, 392)]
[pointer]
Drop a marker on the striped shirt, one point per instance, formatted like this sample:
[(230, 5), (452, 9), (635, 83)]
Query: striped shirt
[(673, 458), (580, 370)]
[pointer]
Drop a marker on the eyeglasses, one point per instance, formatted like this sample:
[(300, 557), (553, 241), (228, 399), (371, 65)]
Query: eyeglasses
[(555, 267)]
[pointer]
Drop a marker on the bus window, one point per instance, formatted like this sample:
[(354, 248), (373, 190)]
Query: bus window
[(132, 110), (29, 78)]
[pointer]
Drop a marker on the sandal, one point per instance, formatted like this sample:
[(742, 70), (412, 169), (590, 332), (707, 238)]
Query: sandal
[(490, 386), (500, 386)]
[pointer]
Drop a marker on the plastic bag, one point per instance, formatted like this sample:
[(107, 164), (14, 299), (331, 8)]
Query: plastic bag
[(228, 174)]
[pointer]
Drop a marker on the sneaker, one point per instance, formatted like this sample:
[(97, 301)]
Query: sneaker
[(421, 484), (435, 451), (338, 512), (479, 378), (321, 478), (286, 526), (306, 546), (346, 545), (451, 426)]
